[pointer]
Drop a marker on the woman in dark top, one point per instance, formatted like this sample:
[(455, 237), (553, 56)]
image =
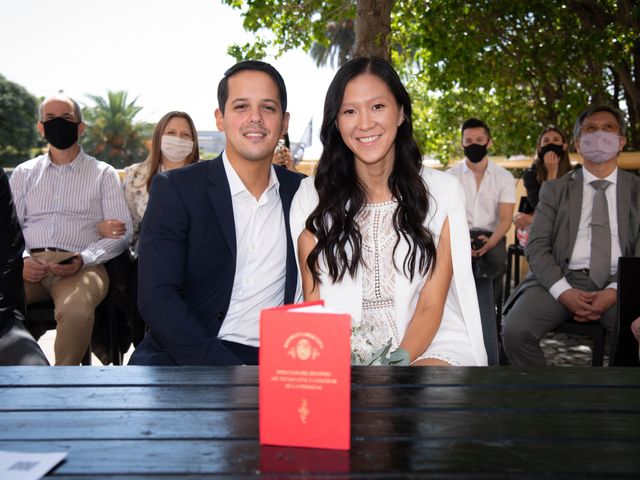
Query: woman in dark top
[(552, 161)]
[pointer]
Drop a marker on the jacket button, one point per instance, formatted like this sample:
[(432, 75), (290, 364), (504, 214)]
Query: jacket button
[(220, 316)]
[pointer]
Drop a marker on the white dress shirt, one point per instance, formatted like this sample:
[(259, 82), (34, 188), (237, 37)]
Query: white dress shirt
[(261, 257), (59, 206), (483, 204), (581, 254)]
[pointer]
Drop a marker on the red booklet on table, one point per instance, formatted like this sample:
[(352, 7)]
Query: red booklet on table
[(305, 377)]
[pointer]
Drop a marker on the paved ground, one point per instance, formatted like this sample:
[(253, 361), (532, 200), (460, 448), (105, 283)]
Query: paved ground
[(46, 343), (560, 349), (565, 350)]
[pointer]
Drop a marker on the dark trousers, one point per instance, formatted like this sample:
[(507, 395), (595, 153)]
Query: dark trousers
[(493, 265), (17, 346), (247, 354), (535, 313)]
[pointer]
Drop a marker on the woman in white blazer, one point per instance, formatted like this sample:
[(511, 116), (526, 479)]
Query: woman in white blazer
[(382, 238)]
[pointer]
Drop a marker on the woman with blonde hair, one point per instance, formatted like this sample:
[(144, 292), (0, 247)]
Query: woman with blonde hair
[(174, 144)]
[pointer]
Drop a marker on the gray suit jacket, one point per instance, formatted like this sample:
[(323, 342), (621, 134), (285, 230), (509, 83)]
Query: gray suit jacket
[(555, 227)]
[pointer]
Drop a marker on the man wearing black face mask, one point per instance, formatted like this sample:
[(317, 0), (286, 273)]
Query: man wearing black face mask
[(59, 199), (490, 193)]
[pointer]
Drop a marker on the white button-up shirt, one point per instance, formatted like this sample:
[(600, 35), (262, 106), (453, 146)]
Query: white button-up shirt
[(483, 203), (581, 254), (261, 255), (60, 205)]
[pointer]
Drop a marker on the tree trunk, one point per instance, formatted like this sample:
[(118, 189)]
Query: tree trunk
[(593, 15), (373, 27)]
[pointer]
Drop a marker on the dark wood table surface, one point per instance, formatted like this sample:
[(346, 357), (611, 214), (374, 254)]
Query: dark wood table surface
[(406, 422)]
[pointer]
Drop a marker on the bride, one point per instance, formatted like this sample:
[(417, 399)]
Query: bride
[(382, 238)]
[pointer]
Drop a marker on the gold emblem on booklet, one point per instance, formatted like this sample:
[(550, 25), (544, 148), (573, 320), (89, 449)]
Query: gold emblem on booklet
[(304, 411), (303, 346)]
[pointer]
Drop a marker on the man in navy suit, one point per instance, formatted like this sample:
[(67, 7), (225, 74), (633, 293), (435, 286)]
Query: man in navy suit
[(216, 246)]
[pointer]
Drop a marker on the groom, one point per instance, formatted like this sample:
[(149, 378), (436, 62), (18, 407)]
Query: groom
[(216, 247)]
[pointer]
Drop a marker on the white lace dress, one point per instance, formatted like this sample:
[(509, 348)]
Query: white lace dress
[(377, 324), (381, 299)]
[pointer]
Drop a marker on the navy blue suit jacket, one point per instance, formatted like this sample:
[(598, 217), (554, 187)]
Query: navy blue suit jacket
[(187, 263)]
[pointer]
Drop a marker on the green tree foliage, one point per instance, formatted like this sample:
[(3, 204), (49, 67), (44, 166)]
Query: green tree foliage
[(18, 117), (112, 134), (517, 65), (286, 25)]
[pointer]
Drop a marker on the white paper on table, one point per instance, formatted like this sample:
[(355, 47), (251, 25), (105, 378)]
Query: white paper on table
[(28, 466)]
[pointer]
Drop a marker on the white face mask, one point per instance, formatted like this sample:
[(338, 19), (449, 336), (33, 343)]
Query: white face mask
[(175, 149), (599, 146)]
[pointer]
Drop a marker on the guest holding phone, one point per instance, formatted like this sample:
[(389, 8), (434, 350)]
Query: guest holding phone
[(282, 154), (490, 196), (59, 198)]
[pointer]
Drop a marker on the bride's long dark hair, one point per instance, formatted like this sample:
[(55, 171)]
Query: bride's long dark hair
[(342, 195)]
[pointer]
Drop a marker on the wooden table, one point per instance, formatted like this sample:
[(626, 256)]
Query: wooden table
[(436, 422)]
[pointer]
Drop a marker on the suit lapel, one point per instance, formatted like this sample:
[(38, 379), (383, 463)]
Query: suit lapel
[(575, 204), (220, 197), (623, 200)]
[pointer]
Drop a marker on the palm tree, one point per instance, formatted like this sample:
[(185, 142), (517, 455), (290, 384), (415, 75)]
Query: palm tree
[(112, 135), (367, 35), (341, 38)]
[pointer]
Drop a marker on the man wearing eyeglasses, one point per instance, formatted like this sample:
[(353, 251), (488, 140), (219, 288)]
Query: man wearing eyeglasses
[(584, 221)]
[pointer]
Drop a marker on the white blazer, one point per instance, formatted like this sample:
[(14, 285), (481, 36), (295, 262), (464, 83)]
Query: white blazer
[(447, 201)]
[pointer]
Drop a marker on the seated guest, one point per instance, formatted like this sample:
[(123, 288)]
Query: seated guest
[(215, 246), (381, 237), (60, 197), (17, 346), (584, 221), (552, 161), (174, 145), (282, 154), (490, 194)]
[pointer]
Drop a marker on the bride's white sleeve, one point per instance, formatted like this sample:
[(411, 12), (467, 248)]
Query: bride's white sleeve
[(304, 202), (463, 283)]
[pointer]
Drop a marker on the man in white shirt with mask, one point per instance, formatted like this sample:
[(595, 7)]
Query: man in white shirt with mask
[(490, 195), (584, 221)]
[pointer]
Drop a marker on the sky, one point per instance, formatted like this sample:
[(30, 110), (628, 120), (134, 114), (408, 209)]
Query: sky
[(171, 55)]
